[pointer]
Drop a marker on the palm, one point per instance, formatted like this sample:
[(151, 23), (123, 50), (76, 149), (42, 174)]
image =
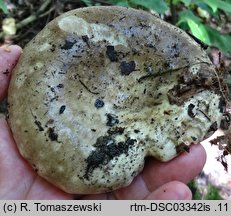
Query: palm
[(18, 180), (157, 181)]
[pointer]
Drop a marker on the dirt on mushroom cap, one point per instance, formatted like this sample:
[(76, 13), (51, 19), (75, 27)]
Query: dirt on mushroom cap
[(101, 88)]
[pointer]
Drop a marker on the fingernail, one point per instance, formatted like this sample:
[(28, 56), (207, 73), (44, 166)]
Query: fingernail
[(10, 48)]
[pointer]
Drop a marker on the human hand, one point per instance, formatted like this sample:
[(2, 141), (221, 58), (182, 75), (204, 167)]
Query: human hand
[(157, 181)]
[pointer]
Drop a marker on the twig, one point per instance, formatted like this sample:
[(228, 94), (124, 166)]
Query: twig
[(220, 87), (173, 13), (83, 84), (170, 70), (44, 6), (33, 17)]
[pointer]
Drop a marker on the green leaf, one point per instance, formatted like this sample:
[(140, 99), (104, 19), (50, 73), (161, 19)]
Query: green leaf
[(229, 2), (221, 41), (213, 193), (194, 24), (156, 5), (206, 7), (186, 15), (3, 6), (218, 4), (176, 1), (123, 3), (225, 6), (87, 2), (199, 31), (212, 3), (186, 2)]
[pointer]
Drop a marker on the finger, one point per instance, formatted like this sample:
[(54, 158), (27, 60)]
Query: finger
[(135, 191), (171, 191), (8, 59), (95, 197), (183, 168), (15, 180), (43, 190)]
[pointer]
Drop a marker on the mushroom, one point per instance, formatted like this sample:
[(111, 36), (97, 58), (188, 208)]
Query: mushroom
[(101, 88)]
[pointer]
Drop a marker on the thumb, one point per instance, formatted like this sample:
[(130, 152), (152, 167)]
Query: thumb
[(174, 190), (9, 56)]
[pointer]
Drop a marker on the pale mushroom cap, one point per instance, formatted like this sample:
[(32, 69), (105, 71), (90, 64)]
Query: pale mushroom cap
[(99, 89)]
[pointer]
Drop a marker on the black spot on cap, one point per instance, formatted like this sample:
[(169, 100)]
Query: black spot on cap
[(86, 40), (39, 125), (213, 127), (52, 135), (111, 120), (136, 131), (111, 53), (127, 67), (99, 103), (190, 110), (62, 109), (106, 150), (193, 138), (60, 85), (68, 44), (222, 105), (116, 130)]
